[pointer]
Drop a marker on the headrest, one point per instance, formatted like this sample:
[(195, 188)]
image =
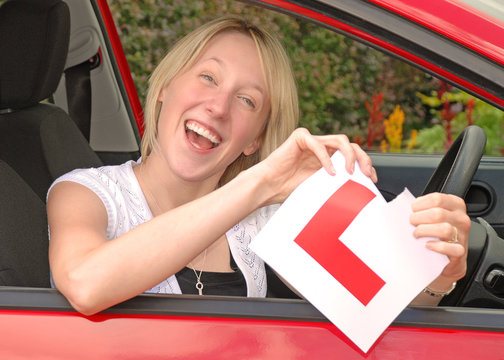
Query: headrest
[(34, 36)]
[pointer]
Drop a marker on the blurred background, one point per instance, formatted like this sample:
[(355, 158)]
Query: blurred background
[(344, 86)]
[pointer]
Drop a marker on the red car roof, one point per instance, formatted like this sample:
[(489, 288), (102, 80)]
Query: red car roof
[(456, 20)]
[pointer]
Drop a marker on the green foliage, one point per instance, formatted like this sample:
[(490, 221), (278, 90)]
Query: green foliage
[(489, 118), (335, 75), (148, 29), (432, 140)]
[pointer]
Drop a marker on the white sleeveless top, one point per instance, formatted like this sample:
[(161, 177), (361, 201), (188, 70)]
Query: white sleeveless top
[(118, 188)]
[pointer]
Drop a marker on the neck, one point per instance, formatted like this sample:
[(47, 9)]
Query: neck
[(164, 190)]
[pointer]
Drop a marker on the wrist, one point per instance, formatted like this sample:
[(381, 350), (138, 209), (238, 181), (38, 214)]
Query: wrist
[(253, 182), (440, 287), (439, 293)]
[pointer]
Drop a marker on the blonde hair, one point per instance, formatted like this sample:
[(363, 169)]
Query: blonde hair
[(284, 112)]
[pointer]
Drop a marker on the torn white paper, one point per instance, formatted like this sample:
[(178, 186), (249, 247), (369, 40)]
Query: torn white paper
[(349, 252)]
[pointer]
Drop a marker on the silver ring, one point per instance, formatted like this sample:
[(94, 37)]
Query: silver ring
[(454, 239)]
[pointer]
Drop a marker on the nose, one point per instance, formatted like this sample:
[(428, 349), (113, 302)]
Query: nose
[(218, 104)]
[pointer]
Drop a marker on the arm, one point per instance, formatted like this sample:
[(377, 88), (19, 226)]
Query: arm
[(94, 273)]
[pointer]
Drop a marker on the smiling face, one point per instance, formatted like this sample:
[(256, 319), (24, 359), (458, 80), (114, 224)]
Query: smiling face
[(214, 111)]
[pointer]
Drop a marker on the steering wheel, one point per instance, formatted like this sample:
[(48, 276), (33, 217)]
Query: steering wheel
[(453, 176), (457, 168)]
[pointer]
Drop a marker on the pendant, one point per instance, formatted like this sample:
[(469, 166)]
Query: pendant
[(199, 286)]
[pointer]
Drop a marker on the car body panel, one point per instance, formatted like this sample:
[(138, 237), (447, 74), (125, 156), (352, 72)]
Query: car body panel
[(456, 20), (188, 327), (41, 323), (153, 337)]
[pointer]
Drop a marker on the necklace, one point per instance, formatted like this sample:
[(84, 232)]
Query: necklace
[(199, 284)]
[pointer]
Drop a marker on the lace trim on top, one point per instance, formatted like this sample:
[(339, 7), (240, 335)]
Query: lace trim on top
[(118, 188)]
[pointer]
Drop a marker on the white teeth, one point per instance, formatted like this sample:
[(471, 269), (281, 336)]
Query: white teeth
[(202, 132)]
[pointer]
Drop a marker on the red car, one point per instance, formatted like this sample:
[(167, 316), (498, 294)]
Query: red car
[(458, 41)]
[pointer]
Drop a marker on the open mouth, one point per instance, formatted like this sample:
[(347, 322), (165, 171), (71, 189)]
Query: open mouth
[(200, 137)]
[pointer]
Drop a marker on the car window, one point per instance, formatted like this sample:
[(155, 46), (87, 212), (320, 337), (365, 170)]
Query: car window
[(380, 102)]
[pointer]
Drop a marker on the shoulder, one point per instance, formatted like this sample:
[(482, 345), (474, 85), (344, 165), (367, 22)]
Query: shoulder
[(117, 189), (102, 178)]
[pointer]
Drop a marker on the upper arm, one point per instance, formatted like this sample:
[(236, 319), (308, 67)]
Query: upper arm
[(78, 224)]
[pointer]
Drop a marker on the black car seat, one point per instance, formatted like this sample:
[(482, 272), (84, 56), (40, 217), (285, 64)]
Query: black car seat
[(23, 233), (38, 140)]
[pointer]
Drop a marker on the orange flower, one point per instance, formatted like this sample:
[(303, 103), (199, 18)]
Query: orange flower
[(384, 146), (394, 129), (413, 139)]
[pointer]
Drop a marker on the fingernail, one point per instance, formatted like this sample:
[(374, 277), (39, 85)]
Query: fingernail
[(332, 170)]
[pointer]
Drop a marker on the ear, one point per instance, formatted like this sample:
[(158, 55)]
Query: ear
[(161, 94), (252, 147)]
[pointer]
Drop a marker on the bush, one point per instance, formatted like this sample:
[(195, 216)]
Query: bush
[(336, 76), (451, 111)]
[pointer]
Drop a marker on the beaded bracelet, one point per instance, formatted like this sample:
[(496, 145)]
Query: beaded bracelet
[(439, 294)]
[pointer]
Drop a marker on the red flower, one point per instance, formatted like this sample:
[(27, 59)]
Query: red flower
[(375, 122)]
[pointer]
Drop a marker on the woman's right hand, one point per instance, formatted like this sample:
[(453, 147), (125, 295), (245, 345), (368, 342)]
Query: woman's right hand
[(302, 154)]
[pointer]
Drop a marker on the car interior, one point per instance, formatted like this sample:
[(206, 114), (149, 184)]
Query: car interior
[(37, 136)]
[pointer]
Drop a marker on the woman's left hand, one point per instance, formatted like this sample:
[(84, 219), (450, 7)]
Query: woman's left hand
[(444, 216)]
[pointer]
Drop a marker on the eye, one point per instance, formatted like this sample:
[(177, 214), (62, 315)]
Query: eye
[(248, 102), (208, 77)]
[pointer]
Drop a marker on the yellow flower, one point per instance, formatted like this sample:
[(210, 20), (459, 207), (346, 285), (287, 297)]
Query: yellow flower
[(413, 139), (394, 129), (384, 145)]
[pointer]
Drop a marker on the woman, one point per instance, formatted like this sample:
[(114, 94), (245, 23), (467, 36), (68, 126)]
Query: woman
[(180, 220)]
